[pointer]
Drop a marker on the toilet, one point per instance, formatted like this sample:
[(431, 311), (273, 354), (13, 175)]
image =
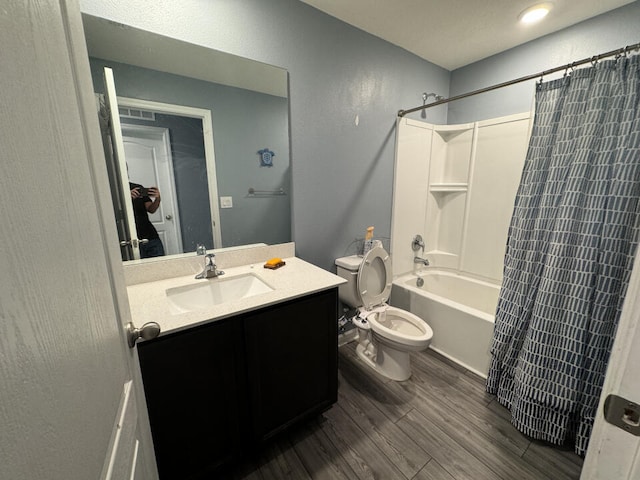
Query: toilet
[(386, 334)]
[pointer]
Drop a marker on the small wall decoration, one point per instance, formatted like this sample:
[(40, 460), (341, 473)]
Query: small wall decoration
[(266, 157)]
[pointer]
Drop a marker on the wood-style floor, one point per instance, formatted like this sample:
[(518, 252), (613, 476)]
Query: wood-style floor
[(438, 425)]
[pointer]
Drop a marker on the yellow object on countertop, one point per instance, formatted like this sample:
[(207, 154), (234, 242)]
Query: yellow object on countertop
[(274, 263)]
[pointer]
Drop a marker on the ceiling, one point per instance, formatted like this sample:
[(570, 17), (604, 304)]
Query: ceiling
[(455, 33)]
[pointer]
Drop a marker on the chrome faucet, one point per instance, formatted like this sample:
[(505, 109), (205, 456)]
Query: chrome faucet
[(210, 268), (423, 261)]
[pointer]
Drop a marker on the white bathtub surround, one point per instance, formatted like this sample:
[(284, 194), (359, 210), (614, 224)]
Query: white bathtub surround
[(455, 185), (460, 311)]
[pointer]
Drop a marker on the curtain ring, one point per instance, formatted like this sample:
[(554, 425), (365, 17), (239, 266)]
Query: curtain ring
[(594, 60), (625, 51), (569, 69)]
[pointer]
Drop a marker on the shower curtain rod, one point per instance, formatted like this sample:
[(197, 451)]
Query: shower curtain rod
[(595, 58)]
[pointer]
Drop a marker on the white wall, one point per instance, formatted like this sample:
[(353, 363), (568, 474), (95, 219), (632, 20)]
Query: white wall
[(455, 185)]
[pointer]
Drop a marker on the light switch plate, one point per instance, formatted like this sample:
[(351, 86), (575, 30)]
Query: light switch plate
[(226, 202)]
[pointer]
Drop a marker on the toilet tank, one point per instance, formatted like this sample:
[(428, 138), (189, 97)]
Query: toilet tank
[(347, 268)]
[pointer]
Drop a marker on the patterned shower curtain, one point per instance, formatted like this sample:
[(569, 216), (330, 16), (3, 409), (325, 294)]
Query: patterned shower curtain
[(569, 253)]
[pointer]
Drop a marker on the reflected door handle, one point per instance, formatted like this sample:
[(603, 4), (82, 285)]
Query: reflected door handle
[(135, 242), (169, 217), (148, 331)]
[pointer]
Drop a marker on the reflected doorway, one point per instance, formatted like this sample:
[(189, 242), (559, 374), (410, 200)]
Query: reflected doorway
[(147, 151), (190, 178)]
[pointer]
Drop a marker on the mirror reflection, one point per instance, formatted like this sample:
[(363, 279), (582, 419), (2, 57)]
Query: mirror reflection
[(208, 130)]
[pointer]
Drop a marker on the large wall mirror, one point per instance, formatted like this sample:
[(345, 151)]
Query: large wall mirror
[(210, 130)]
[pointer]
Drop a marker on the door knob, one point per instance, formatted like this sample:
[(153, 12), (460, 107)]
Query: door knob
[(135, 242), (622, 413), (168, 217), (148, 331)]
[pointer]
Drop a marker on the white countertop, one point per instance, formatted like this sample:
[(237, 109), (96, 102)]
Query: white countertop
[(148, 301)]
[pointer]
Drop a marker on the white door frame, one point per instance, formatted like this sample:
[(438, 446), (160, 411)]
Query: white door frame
[(613, 453), (144, 131), (210, 158)]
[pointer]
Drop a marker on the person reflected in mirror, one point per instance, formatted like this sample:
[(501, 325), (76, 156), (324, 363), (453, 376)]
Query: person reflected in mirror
[(146, 201)]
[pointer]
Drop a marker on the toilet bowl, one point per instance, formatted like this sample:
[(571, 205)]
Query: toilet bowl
[(386, 334)]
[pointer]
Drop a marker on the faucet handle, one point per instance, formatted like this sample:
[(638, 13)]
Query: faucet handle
[(417, 243)]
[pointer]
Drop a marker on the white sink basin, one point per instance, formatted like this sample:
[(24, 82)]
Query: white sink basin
[(207, 293)]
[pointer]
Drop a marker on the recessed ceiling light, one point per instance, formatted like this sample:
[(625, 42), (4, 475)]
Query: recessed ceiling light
[(535, 13)]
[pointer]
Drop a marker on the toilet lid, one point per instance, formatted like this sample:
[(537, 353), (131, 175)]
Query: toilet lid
[(374, 275)]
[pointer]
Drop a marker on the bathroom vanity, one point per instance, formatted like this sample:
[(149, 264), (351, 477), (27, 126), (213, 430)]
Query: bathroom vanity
[(221, 380)]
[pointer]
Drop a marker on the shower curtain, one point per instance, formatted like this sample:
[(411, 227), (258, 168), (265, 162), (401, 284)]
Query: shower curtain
[(569, 252)]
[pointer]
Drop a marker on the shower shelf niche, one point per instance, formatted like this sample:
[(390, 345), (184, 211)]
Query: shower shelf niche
[(447, 187), (451, 153)]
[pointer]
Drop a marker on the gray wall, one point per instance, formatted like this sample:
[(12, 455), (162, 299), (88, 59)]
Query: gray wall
[(601, 34), (342, 173), (243, 123)]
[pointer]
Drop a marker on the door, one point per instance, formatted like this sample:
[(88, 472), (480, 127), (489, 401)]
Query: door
[(68, 395), (614, 453), (147, 151)]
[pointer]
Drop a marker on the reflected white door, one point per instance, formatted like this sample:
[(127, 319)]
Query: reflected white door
[(148, 154), (117, 146)]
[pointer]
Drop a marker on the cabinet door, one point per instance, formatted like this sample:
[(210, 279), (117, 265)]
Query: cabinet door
[(292, 352), (195, 395)]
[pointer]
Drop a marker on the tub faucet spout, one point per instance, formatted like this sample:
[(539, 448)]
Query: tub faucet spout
[(423, 261)]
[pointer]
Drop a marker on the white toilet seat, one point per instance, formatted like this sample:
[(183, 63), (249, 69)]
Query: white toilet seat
[(374, 274), (399, 326), (392, 325)]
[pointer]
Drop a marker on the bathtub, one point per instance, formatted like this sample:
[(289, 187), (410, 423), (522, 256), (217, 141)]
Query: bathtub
[(459, 309)]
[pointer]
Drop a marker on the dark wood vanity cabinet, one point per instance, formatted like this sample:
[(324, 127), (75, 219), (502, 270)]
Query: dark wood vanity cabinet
[(292, 354), (195, 391), (214, 392)]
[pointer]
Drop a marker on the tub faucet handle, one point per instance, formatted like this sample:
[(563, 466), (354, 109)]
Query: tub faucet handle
[(417, 243)]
